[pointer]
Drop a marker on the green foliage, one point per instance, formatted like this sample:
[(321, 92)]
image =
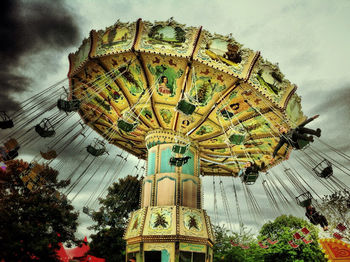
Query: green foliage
[(283, 229), (336, 208), (111, 219), (225, 252), (33, 223)]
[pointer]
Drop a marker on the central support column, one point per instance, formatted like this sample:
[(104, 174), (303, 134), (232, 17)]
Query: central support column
[(167, 185), (171, 225)]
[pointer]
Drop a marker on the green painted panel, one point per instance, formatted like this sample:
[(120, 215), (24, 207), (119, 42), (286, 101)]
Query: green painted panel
[(189, 167), (165, 167), (165, 255), (151, 170)]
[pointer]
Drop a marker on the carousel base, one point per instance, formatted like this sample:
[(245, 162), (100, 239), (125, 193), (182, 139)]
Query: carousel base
[(169, 234)]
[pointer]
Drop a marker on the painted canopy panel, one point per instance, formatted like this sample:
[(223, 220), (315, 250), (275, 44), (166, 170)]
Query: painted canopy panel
[(131, 77)]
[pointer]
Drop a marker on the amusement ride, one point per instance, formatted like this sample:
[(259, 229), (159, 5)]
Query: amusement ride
[(187, 104)]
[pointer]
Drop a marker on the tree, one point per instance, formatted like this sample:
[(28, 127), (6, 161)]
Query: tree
[(336, 208), (282, 229), (112, 217), (33, 223), (225, 252)]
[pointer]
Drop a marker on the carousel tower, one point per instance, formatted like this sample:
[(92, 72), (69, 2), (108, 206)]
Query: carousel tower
[(171, 222), (190, 103)]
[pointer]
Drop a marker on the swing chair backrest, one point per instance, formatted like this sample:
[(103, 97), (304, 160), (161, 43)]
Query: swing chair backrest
[(45, 129), (186, 107), (126, 126), (250, 178), (304, 200), (5, 121), (180, 149), (68, 106), (324, 169), (95, 151)]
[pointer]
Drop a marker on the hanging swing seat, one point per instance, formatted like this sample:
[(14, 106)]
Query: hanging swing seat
[(271, 242), (68, 106), (244, 247), (337, 236), (45, 128), (297, 236), (237, 139), (97, 149), (179, 161), (305, 231), (126, 126), (302, 143), (304, 200), (292, 244), (49, 155), (185, 107), (10, 150), (12, 145), (180, 149), (341, 227), (7, 155), (234, 244), (250, 177), (262, 245), (5, 121), (307, 241), (324, 169), (86, 211)]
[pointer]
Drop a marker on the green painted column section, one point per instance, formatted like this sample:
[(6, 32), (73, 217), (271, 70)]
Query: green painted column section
[(165, 167), (151, 170), (188, 168), (165, 256)]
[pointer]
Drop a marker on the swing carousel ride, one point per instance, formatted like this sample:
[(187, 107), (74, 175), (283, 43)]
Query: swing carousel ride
[(188, 102)]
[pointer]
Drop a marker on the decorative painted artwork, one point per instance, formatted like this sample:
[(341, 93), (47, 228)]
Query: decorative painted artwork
[(203, 130), (115, 39), (224, 51), (167, 37), (161, 219), (131, 78), (172, 36), (203, 89), (166, 115), (165, 79)]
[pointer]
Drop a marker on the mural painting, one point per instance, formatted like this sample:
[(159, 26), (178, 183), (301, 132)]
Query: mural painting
[(165, 79), (223, 51), (204, 130), (166, 115), (131, 79), (171, 36), (115, 36), (203, 89)]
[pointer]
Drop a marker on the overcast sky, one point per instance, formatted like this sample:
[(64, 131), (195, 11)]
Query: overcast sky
[(309, 40)]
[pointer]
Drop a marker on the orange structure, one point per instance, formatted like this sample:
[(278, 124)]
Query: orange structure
[(335, 250)]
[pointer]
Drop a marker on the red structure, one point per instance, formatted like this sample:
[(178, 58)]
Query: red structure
[(77, 253)]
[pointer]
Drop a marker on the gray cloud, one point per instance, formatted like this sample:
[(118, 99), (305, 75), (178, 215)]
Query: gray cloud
[(29, 28)]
